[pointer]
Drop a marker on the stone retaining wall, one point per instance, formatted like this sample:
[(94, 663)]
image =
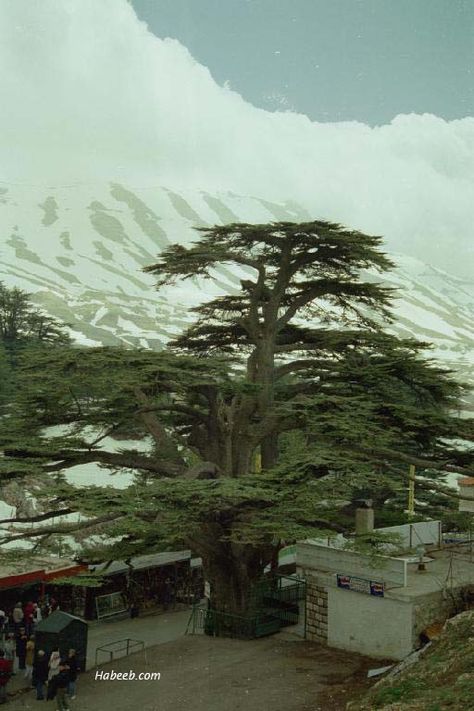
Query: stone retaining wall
[(437, 607), (316, 611)]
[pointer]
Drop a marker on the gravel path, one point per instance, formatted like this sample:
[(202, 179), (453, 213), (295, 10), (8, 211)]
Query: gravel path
[(206, 674)]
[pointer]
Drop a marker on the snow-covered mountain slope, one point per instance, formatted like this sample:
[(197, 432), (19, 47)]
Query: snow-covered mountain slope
[(79, 249), (437, 308)]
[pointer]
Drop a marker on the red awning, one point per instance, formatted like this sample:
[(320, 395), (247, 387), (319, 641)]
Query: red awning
[(64, 572), (17, 581), (40, 576)]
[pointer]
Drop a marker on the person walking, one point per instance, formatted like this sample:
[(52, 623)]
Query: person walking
[(168, 594), (18, 616), (28, 616), (3, 624), (21, 641), (60, 683), (53, 603), (29, 657), (5, 674), (37, 616), (40, 673), (53, 664), (71, 661), (10, 650)]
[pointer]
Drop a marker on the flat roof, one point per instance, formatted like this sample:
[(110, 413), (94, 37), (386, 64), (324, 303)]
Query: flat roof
[(451, 567)]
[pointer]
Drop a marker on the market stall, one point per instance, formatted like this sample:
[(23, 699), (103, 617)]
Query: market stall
[(144, 583)]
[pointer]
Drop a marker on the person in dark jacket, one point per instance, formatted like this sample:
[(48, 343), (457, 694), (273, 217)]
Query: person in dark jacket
[(40, 673), (28, 616), (168, 593), (21, 642), (71, 661), (57, 687), (5, 674), (3, 623)]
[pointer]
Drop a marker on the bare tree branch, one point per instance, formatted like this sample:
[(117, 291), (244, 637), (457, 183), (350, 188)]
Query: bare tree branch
[(106, 434), (62, 529), (38, 517), (176, 407), (431, 486), (156, 428), (296, 365), (416, 461), (64, 459)]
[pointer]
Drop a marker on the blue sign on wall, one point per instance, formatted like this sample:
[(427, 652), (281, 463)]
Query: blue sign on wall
[(377, 589)]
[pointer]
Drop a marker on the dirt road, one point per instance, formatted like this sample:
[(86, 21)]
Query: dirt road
[(206, 674)]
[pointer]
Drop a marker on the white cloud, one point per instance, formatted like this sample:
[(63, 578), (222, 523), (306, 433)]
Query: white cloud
[(89, 94)]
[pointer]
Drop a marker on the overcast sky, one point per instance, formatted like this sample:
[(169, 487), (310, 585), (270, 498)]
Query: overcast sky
[(89, 94), (334, 60)]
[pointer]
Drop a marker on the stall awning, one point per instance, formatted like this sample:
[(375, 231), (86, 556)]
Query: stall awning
[(64, 572), (21, 579), (12, 575), (141, 562)]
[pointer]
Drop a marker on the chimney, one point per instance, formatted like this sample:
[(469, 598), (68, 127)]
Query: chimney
[(466, 489), (364, 517)]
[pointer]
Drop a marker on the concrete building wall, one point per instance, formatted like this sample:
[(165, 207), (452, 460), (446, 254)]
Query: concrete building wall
[(335, 560), (378, 627), (415, 534)]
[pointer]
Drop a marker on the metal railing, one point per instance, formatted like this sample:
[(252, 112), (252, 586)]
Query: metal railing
[(226, 624), (128, 645), (196, 620), (274, 603), (280, 598)]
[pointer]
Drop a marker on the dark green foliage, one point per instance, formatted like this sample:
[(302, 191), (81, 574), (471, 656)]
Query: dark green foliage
[(296, 371), (5, 376), (21, 323), (23, 329), (308, 269)]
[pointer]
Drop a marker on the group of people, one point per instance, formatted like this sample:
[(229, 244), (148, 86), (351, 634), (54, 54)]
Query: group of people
[(58, 675), (19, 650), (53, 677), (26, 615)]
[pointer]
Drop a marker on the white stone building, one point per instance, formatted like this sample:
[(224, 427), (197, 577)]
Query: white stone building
[(380, 605)]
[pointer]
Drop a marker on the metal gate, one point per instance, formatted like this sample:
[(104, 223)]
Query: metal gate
[(277, 601), (281, 597)]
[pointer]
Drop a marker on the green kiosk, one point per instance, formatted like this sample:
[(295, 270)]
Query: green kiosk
[(64, 631)]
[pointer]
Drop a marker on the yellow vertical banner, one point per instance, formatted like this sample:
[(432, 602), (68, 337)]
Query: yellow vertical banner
[(411, 490)]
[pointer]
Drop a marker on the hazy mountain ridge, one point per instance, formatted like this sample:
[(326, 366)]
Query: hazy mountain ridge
[(79, 249)]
